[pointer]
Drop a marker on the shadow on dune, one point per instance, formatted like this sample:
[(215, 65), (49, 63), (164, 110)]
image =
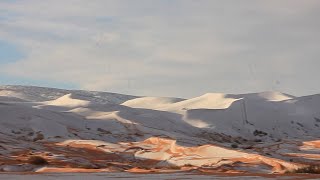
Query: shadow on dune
[(242, 118), (137, 123), (262, 119)]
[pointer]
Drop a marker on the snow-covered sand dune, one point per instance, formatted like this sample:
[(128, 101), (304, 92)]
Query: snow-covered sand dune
[(257, 132)]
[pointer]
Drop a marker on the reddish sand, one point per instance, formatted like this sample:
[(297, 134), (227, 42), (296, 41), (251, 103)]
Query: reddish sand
[(314, 144), (87, 157)]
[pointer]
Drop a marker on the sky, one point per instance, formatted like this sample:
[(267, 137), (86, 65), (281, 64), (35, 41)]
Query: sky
[(178, 48)]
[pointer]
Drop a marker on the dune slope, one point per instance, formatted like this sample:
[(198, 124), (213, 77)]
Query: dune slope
[(267, 132)]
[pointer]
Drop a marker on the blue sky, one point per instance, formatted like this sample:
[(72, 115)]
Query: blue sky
[(9, 53), (178, 48)]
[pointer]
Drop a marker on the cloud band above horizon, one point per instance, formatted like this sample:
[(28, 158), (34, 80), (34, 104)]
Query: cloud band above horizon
[(176, 48)]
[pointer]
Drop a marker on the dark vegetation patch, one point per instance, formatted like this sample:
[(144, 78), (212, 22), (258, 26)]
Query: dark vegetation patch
[(234, 146), (259, 133), (37, 160), (257, 140), (301, 125), (317, 119), (38, 137), (312, 169), (103, 131)]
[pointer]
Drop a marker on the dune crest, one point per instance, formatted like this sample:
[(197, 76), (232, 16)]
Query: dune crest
[(70, 100)]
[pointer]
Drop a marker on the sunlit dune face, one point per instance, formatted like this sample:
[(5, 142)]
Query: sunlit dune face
[(155, 155), (158, 154), (312, 144)]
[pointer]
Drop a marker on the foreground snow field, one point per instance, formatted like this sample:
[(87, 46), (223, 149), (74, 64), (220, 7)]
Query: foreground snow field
[(84, 131)]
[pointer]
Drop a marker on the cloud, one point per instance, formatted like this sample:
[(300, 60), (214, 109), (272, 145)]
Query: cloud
[(165, 48)]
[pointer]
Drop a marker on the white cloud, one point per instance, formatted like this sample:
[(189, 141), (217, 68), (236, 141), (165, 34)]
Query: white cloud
[(162, 47)]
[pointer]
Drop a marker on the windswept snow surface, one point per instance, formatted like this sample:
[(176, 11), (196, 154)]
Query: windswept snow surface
[(268, 131), (38, 94)]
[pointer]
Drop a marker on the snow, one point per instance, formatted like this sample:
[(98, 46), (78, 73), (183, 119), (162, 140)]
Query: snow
[(69, 100), (276, 114), (174, 129), (39, 94), (151, 102), (207, 101)]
